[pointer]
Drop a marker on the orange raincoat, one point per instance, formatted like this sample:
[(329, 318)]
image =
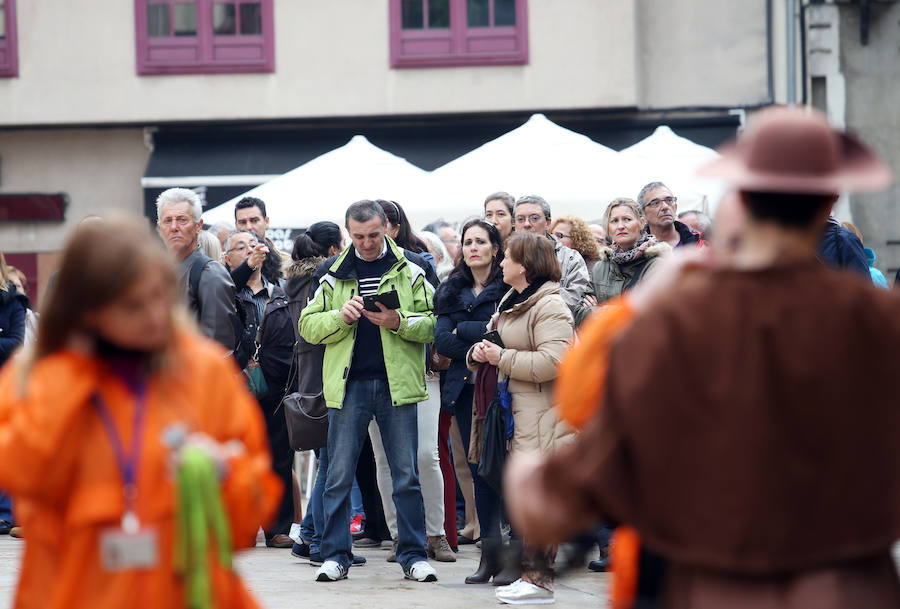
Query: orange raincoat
[(59, 465)]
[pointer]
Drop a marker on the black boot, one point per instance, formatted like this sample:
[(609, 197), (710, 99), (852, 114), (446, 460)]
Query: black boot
[(511, 559), (489, 565)]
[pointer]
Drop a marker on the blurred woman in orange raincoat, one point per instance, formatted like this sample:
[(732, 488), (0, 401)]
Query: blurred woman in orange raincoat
[(85, 423)]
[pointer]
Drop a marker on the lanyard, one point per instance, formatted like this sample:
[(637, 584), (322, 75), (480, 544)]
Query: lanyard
[(127, 463)]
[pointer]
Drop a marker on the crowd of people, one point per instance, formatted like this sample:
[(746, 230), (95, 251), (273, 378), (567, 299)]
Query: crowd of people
[(415, 343)]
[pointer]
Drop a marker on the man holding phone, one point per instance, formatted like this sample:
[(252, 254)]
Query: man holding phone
[(374, 366)]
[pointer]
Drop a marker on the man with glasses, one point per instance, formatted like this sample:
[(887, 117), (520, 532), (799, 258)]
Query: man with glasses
[(250, 215), (660, 207), (267, 332), (532, 215), (209, 289)]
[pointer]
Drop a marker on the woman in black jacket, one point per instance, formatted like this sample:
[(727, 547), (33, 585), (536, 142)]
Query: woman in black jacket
[(464, 303)]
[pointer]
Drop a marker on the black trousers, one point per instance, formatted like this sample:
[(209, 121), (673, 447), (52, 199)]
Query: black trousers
[(282, 464)]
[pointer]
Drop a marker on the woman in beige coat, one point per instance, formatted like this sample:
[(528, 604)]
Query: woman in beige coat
[(535, 327)]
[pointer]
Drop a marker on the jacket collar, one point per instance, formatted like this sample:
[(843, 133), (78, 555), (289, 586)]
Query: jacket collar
[(687, 235), (448, 298), (345, 266), (528, 298)]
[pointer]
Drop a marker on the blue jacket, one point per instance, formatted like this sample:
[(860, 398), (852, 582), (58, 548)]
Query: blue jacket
[(841, 249), (458, 308), (12, 321)]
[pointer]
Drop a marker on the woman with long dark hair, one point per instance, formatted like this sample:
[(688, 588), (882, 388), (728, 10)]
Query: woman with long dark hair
[(463, 305), (118, 380), (399, 229)]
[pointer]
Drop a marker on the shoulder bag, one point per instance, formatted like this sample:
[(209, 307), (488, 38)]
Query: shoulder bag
[(305, 411)]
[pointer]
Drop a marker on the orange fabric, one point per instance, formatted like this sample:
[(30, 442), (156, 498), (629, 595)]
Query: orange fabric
[(582, 372), (60, 468), (624, 554)]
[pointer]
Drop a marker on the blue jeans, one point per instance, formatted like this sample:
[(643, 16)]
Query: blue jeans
[(6, 508), (315, 509), (347, 430)]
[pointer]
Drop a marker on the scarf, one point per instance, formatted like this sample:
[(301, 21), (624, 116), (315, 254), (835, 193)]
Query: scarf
[(636, 252)]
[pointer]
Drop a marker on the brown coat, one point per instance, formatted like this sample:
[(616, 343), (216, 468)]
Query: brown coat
[(745, 430), (535, 333)]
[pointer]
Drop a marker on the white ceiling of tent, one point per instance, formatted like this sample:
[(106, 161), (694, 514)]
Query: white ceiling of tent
[(574, 173), (323, 188)]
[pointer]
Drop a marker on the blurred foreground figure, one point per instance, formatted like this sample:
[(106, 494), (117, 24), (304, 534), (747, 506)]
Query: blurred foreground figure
[(118, 395), (738, 435)]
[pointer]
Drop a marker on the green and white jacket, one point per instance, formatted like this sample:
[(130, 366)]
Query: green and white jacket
[(404, 348)]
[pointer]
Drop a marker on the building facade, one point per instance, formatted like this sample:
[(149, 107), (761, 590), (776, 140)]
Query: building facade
[(104, 103)]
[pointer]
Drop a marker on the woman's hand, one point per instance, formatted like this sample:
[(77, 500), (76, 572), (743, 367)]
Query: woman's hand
[(491, 352), (478, 353), (589, 300)]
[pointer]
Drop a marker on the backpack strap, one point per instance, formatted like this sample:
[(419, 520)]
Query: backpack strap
[(197, 267)]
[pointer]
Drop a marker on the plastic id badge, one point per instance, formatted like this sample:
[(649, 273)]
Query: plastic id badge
[(121, 551)]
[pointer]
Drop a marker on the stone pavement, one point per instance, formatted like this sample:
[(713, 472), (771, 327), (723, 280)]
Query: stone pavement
[(280, 580)]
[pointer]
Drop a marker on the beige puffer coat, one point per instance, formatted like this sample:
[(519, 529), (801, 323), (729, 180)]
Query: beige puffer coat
[(534, 333)]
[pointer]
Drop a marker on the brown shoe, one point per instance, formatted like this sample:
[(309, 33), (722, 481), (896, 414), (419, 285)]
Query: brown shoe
[(439, 549), (392, 557), (280, 541), (17, 532)]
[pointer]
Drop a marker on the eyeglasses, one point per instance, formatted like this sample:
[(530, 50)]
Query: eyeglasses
[(242, 248), (561, 236), (533, 219), (670, 201)]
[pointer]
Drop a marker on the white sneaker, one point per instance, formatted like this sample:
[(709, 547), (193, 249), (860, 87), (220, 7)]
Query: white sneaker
[(331, 571), (421, 571), (521, 592)]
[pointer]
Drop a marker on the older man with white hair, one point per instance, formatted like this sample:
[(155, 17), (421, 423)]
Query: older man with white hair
[(208, 286)]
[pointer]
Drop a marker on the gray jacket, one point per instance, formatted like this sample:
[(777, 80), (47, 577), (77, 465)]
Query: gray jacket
[(213, 304), (575, 277)]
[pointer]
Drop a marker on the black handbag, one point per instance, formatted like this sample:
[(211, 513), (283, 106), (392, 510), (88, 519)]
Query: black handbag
[(307, 420), (493, 453), (305, 411)]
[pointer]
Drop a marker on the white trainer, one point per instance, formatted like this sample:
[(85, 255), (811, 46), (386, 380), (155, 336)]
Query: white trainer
[(521, 592), (331, 571), (421, 571)]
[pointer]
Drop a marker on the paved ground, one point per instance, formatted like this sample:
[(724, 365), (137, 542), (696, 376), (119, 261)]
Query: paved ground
[(280, 580)]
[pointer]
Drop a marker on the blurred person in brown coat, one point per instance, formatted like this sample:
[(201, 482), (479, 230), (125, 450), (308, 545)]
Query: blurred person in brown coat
[(739, 435)]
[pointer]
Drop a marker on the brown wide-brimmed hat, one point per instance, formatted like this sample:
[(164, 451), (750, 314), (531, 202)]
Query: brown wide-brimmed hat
[(792, 149)]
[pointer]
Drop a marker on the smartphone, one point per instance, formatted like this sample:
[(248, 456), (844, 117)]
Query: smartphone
[(494, 337), (391, 300)]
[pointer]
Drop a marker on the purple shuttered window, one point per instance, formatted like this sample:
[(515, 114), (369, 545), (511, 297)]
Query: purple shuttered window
[(9, 52), (437, 33), (204, 36)]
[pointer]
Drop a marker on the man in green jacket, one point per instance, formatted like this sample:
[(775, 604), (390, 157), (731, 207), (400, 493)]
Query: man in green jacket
[(374, 366)]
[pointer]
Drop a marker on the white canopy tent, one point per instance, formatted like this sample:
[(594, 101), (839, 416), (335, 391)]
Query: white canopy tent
[(667, 157), (322, 188), (568, 169)]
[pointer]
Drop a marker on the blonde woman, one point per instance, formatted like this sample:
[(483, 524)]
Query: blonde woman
[(630, 259), (13, 304)]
